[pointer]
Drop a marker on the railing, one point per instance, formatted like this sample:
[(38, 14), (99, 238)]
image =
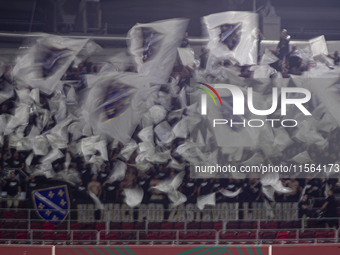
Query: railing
[(225, 215), (177, 237)]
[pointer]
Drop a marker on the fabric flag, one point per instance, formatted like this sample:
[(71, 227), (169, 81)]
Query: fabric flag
[(187, 56), (175, 165), (271, 183), (46, 62), (269, 210), (233, 35), (256, 159), (318, 46), (228, 134), (6, 92), (302, 158), (128, 149), (96, 200), (269, 191), (154, 47), (146, 134), (170, 187), (118, 173), (206, 200), (164, 132), (133, 196), (329, 93), (228, 193), (307, 133), (268, 58), (177, 198), (116, 103), (121, 61), (282, 139)]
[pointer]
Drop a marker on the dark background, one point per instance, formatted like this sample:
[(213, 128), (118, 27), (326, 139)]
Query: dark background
[(304, 19)]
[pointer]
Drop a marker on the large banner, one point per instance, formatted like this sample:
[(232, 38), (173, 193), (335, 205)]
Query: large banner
[(158, 212)]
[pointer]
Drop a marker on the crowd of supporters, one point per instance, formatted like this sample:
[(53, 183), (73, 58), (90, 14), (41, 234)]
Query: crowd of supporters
[(16, 176)]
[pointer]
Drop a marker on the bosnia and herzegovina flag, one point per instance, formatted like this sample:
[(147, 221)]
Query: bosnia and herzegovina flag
[(52, 201), (116, 103), (46, 62), (232, 35), (154, 47)]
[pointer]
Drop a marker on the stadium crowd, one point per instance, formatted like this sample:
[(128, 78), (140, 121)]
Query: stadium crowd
[(17, 177)]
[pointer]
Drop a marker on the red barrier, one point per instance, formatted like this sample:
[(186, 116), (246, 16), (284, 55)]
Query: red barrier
[(310, 249), (26, 250)]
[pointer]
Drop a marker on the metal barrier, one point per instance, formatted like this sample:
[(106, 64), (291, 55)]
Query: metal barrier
[(178, 237)]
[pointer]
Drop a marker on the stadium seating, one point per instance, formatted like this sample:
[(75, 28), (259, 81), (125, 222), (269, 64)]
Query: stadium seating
[(118, 225), (236, 232), (61, 226), (272, 225), (48, 226), (21, 215), (154, 225), (232, 225), (269, 235), (139, 226), (282, 235), (166, 237), (286, 225), (191, 237), (205, 237), (207, 225), (167, 225), (89, 238), (262, 225), (22, 225), (230, 235), (75, 226), (99, 227), (61, 237), (179, 225), (218, 226), (9, 224), (127, 225), (22, 238), (8, 215), (193, 225), (48, 237), (152, 236), (112, 237)]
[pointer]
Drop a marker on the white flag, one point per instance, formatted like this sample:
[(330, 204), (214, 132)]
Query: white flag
[(206, 200), (46, 62), (228, 193), (318, 46), (233, 35), (187, 56), (134, 196), (302, 158), (116, 104), (154, 47), (256, 159)]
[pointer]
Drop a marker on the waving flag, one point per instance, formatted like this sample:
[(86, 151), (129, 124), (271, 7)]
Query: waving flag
[(116, 104), (154, 47), (232, 35), (233, 130), (46, 62)]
